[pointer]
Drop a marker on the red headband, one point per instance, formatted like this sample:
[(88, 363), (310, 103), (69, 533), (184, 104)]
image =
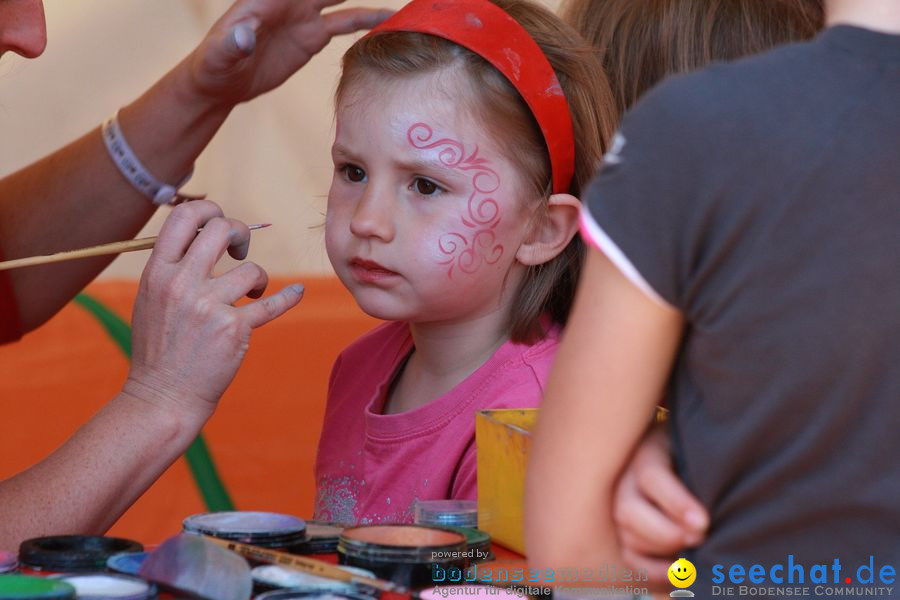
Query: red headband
[(484, 28)]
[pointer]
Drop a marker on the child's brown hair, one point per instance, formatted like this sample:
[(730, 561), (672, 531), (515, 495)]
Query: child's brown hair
[(639, 42), (548, 288)]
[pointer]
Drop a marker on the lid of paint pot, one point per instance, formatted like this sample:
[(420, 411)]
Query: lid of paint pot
[(23, 587), (72, 553), (321, 538), (128, 563), (270, 530), (401, 543), (457, 513), (105, 586), (8, 561)]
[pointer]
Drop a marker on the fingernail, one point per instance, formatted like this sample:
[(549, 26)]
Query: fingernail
[(244, 38), (695, 519), (297, 288)]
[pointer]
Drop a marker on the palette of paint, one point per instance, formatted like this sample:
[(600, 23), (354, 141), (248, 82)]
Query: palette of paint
[(404, 554), (265, 529), (72, 553), (102, 586), (455, 513), (24, 587), (8, 562)]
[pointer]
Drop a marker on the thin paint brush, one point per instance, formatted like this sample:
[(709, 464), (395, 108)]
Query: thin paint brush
[(101, 250), (310, 565)]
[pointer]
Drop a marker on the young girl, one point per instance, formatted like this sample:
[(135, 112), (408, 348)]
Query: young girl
[(452, 215)]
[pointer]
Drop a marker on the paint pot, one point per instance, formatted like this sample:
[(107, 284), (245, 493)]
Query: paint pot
[(102, 586), (128, 563), (293, 594), (471, 592), (270, 577), (265, 529), (404, 554), (321, 538), (478, 543), (23, 587), (453, 513), (71, 553), (8, 562)]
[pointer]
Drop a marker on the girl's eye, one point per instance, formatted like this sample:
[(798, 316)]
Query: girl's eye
[(426, 187), (354, 173)]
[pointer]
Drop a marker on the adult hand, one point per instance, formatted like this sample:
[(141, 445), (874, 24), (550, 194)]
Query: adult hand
[(656, 516), (189, 338), (258, 44)]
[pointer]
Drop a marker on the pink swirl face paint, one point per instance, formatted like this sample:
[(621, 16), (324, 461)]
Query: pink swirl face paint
[(474, 243)]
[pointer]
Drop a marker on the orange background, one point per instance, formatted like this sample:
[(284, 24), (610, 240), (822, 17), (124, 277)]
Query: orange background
[(262, 438)]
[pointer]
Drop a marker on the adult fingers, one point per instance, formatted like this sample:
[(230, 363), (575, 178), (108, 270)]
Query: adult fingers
[(212, 241), (248, 279), (180, 229), (349, 20), (262, 311)]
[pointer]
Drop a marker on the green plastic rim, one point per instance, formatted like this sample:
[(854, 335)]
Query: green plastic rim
[(23, 587)]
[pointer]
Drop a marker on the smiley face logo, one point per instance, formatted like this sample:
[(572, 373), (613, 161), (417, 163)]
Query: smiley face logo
[(682, 573)]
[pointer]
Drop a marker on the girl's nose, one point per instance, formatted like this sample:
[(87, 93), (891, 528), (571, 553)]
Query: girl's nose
[(23, 29), (374, 214)]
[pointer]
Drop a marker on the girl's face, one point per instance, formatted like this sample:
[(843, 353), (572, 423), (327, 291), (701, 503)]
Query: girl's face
[(425, 213)]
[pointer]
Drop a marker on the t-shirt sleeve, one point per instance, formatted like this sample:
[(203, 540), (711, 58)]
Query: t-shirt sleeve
[(643, 209), (10, 320)]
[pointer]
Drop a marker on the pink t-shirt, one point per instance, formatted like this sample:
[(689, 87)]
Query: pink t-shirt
[(371, 467)]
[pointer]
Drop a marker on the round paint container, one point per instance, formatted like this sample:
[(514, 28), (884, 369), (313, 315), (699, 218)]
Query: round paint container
[(404, 554), (453, 513), (292, 594), (128, 563), (265, 529), (72, 553), (478, 543), (8, 562), (22, 587), (103, 586), (272, 577), (321, 538)]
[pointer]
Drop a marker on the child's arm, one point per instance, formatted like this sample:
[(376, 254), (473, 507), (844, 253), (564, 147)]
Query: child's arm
[(611, 370), (656, 516)]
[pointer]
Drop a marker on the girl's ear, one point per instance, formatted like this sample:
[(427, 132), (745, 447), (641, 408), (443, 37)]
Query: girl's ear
[(552, 233)]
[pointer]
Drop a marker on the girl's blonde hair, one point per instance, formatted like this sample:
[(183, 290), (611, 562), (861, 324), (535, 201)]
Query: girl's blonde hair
[(548, 288), (639, 42)]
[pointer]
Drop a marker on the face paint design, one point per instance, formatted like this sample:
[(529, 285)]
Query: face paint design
[(474, 243)]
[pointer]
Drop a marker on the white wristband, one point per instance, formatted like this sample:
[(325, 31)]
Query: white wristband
[(132, 169)]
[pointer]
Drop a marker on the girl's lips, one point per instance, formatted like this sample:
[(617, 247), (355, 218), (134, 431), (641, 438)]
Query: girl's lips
[(368, 271)]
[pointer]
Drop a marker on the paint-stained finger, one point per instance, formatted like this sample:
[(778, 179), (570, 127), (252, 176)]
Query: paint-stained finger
[(217, 236), (248, 279), (320, 4), (350, 20), (271, 307), (180, 228)]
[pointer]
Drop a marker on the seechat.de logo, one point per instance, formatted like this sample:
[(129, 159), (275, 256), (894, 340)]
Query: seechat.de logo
[(681, 575)]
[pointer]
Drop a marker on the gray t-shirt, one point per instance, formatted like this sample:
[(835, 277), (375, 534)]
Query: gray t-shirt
[(762, 200)]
